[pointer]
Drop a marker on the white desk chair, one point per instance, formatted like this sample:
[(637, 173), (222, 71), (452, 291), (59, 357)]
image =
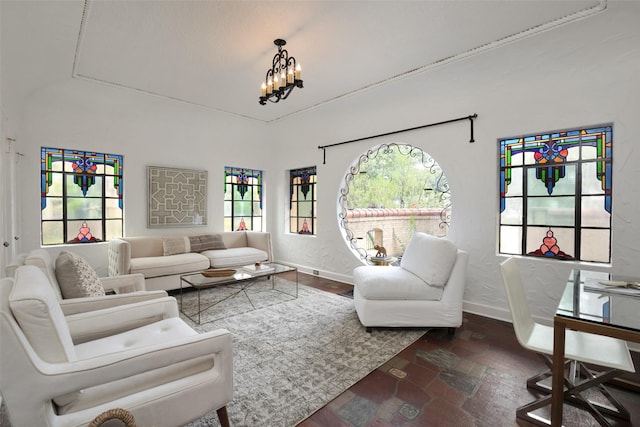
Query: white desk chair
[(610, 353)]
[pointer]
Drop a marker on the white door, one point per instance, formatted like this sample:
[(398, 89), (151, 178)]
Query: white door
[(8, 227)]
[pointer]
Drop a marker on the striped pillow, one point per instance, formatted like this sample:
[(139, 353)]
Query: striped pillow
[(206, 242), (175, 245)]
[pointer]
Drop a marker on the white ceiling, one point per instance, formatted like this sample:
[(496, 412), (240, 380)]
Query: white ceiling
[(215, 54)]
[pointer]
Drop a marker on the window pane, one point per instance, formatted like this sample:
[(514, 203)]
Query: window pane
[(84, 232), (55, 185), (242, 208), (510, 238), (593, 212), (52, 233), (563, 186), (560, 242), (515, 187), (512, 213), (53, 209), (551, 211), (114, 229), (113, 209), (592, 178), (305, 209), (84, 208), (595, 245)]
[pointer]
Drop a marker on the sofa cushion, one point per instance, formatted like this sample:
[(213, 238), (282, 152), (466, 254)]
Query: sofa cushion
[(393, 283), (175, 245), (232, 257), (76, 278), (430, 258), (169, 265), (206, 242)]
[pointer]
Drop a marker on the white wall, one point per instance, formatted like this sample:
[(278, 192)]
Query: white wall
[(147, 131), (582, 74)]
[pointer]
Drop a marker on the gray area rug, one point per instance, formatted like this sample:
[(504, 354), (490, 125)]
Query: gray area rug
[(294, 355)]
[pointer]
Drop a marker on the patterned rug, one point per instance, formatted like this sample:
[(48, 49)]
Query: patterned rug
[(293, 355)]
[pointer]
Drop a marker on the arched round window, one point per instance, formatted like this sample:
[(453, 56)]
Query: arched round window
[(389, 193)]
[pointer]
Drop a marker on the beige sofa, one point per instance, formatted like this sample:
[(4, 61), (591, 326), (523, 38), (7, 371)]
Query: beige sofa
[(162, 260)]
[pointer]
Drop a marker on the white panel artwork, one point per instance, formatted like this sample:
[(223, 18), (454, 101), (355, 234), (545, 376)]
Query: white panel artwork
[(177, 197)]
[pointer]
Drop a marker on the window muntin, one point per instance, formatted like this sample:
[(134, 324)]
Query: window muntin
[(242, 199), (555, 194), (81, 196), (303, 201)]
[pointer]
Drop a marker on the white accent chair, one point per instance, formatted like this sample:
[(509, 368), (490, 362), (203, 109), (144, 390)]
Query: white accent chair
[(581, 348), (126, 289), (164, 373), (426, 290)]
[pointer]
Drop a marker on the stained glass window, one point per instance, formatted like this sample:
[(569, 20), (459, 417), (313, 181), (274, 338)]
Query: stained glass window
[(81, 196), (302, 201), (555, 194), (242, 199)]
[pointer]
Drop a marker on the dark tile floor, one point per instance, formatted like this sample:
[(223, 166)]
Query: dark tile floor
[(476, 378)]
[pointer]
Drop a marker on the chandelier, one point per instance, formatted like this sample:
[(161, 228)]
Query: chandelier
[(282, 77)]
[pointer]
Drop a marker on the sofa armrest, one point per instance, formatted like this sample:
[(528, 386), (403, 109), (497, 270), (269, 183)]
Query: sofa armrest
[(124, 283), (261, 240), (91, 325), (119, 257), (457, 282), (81, 305)]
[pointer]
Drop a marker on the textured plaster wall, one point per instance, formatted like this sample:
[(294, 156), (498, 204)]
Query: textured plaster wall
[(581, 74)]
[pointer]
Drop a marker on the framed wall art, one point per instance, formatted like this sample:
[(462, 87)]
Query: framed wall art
[(177, 197)]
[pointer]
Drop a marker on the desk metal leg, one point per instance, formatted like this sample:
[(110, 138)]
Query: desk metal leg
[(557, 380)]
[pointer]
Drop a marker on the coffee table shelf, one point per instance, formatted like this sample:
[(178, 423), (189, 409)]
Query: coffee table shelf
[(245, 277)]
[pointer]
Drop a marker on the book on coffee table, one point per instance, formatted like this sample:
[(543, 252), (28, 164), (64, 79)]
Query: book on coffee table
[(261, 268)]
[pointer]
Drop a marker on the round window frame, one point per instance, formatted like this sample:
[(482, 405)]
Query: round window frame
[(442, 185)]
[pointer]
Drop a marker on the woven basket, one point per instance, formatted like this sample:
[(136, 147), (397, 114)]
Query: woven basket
[(114, 414), (218, 273)]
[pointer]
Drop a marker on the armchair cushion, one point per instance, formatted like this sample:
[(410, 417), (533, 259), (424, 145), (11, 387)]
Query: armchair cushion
[(393, 283), (430, 258), (76, 278)]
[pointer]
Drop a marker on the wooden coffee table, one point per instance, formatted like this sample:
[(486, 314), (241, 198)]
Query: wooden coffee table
[(245, 277)]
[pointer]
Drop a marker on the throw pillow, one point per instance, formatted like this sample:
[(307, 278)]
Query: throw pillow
[(76, 278), (206, 242), (430, 258), (175, 245)]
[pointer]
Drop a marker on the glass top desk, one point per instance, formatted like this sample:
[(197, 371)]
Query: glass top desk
[(588, 306)]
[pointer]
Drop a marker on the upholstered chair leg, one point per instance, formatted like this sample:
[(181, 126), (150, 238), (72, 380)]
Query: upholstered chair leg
[(223, 417), (369, 329)]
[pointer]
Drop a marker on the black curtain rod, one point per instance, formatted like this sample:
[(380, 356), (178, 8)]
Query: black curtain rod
[(470, 118)]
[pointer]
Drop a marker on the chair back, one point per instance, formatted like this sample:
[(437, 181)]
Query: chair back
[(523, 323), (43, 260), (37, 311)]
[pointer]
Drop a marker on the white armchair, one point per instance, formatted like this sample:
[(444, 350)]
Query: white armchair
[(127, 289), (426, 290), (164, 373)]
